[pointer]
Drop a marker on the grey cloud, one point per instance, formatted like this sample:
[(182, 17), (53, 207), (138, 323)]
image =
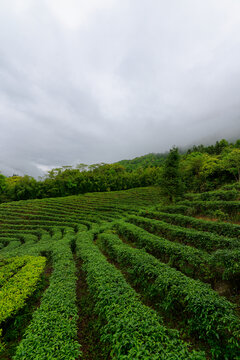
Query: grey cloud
[(135, 77)]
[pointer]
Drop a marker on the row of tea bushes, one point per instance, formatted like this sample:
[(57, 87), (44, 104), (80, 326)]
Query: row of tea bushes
[(228, 263), (202, 311), (220, 228), (18, 288), (9, 267), (202, 240), (52, 333), (189, 260), (203, 207), (130, 329), (220, 265), (226, 195)]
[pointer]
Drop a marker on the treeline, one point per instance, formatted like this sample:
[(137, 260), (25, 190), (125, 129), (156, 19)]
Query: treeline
[(201, 168), (144, 161), (69, 181), (205, 168), (215, 149)]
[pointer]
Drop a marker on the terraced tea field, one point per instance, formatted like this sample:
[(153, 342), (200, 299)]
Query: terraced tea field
[(118, 276)]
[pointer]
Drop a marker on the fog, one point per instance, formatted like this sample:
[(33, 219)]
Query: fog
[(100, 81)]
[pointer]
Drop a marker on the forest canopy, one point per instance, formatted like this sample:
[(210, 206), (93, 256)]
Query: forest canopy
[(201, 168)]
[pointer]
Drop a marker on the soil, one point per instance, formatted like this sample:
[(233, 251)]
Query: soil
[(88, 322)]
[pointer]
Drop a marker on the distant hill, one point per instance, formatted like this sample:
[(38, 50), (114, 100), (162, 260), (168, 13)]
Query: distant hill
[(144, 161)]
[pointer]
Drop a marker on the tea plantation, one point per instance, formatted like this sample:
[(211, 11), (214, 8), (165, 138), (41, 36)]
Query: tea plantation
[(118, 275)]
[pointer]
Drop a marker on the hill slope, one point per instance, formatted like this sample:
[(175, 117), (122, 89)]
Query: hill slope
[(143, 161), (109, 275)]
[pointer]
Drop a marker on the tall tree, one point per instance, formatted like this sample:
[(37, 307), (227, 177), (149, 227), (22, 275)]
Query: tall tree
[(231, 162), (170, 180)]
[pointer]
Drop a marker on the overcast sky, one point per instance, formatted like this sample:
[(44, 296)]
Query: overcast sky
[(86, 81)]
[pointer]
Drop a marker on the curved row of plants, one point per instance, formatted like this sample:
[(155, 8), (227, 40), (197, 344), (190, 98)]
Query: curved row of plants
[(130, 329), (52, 333), (199, 309), (225, 195), (10, 267), (202, 240), (232, 208), (219, 227), (189, 260), (221, 264), (18, 288)]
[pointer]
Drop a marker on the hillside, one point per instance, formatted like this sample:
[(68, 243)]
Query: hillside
[(149, 160), (201, 168), (109, 275)]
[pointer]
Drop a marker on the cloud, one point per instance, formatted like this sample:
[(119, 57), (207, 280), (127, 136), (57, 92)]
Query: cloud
[(75, 13), (101, 81)]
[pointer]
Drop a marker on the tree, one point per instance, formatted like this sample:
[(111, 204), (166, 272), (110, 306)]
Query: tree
[(3, 183), (3, 186), (82, 167), (237, 144), (221, 146), (231, 162), (21, 188), (170, 180)]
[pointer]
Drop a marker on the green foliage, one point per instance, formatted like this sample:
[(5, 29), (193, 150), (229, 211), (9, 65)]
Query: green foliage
[(202, 240), (56, 228), (231, 208), (220, 228), (205, 168), (204, 312), (131, 330), (226, 195), (170, 180), (190, 261), (202, 168), (20, 286), (10, 267), (3, 183), (3, 186), (52, 332), (67, 181), (21, 188), (234, 186), (216, 149), (231, 162), (229, 260), (149, 160), (221, 264)]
